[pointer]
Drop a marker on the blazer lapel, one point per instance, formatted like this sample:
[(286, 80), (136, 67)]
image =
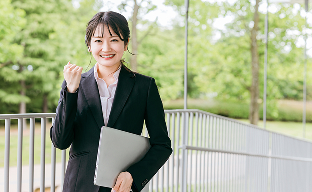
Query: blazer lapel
[(124, 87), (91, 93)]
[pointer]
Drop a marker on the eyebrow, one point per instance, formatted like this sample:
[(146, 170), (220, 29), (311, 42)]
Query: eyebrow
[(102, 37)]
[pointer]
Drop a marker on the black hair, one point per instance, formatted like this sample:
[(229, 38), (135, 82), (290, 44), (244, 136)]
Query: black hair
[(114, 21)]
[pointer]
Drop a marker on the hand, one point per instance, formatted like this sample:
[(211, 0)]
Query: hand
[(72, 76), (123, 183)]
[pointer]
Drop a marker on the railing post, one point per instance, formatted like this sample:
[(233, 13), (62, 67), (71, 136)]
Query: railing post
[(308, 165), (184, 153), (7, 155), (31, 153), (269, 175), (53, 159), (43, 139), (63, 166), (19, 154)]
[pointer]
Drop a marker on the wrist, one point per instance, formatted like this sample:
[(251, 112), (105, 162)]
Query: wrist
[(71, 90)]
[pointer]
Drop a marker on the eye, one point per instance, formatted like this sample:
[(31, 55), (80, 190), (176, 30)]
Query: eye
[(114, 40), (97, 41)]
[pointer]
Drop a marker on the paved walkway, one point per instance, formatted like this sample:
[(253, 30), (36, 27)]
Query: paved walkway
[(233, 170), (37, 177)]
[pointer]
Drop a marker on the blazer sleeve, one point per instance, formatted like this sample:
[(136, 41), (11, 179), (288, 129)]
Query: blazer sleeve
[(62, 131), (160, 149)]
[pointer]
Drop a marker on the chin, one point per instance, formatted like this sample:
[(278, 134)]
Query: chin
[(108, 64)]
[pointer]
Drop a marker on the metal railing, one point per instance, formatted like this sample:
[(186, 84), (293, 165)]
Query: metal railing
[(211, 153)]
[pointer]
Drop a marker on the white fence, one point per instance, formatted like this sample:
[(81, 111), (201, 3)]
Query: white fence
[(210, 154)]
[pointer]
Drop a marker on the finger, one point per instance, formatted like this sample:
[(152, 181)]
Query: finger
[(67, 66), (69, 63), (125, 186), (117, 185), (72, 66), (80, 69), (77, 70)]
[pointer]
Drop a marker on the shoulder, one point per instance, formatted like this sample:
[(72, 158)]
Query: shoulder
[(139, 78), (143, 78), (88, 73)]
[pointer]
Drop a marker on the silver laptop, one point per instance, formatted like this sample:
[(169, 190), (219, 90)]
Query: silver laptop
[(118, 150)]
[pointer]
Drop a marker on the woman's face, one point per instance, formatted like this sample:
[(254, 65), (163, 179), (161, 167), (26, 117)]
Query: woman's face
[(107, 50)]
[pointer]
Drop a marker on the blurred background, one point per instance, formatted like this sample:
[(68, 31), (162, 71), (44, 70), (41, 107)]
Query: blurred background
[(39, 37)]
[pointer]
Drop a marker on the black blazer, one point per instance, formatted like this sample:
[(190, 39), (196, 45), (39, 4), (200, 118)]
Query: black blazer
[(79, 120)]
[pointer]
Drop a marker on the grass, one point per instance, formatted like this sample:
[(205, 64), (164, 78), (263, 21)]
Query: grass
[(285, 110), (293, 129)]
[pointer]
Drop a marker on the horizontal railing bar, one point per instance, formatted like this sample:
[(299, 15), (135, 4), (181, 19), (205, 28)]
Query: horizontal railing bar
[(233, 120), (187, 147), (26, 115), (51, 115)]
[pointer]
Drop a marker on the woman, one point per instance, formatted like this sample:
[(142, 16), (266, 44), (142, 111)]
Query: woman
[(112, 95)]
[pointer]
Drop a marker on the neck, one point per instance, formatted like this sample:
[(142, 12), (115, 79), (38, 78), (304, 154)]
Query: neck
[(106, 71)]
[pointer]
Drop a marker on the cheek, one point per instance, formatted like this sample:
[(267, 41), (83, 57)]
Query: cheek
[(121, 49), (94, 48)]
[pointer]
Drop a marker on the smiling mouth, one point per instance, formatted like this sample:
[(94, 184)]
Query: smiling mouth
[(107, 56)]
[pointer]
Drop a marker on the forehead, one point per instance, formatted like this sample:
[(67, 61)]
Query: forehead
[(103, 30)]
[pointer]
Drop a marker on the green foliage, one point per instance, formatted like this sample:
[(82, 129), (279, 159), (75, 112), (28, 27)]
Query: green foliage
[(47, 35), (240, 110), (11, 22), (226, 69), (162, 63), (37, 38)]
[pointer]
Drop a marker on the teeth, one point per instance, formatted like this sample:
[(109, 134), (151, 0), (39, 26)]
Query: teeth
[(107, 56)]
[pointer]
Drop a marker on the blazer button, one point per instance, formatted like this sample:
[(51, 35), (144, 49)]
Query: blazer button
[(144, 182)]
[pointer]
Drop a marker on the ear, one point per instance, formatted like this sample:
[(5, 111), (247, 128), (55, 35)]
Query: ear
[(126, 46), (89, 49)]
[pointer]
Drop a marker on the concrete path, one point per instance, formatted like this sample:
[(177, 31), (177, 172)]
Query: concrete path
[(212, 169), (37, 177)]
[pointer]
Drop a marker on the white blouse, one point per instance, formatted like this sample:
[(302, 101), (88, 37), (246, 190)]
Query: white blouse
[(107, 94)]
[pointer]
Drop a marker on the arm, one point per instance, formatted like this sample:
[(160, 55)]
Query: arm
[(160, 149), (62, 131)]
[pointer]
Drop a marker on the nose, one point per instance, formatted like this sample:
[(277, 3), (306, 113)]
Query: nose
[(106, 46)]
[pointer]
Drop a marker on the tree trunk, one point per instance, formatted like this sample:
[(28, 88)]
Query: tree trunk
[(45, 103), (254, 89), (22, 107), (134, 41)]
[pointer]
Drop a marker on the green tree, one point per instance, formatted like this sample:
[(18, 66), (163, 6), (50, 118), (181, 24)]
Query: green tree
[(161, 56), (285, 56), (201, 50), (139, 10), (223, 65), (43, 53), (11, 22)]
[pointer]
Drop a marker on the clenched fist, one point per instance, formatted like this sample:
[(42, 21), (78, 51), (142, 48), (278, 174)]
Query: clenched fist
[(72, 76)]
